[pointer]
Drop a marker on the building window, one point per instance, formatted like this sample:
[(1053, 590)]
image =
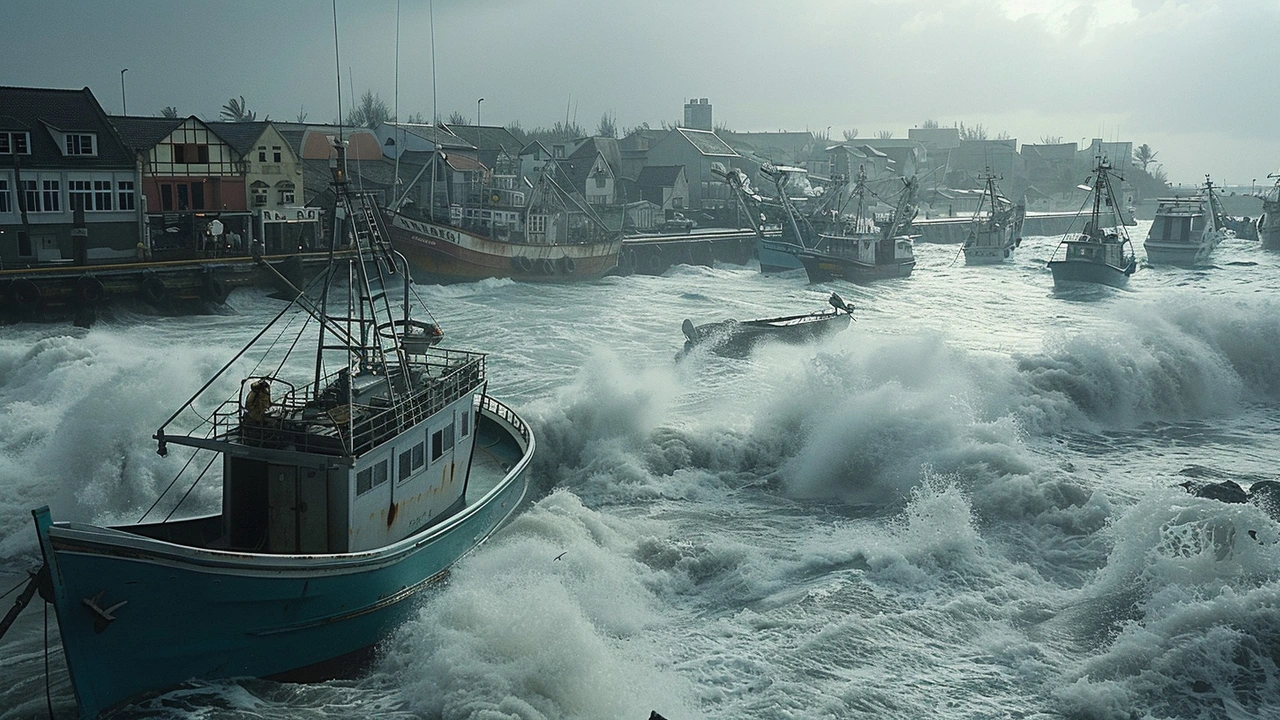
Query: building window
[(184, 198), (101, 194), (80, 194), (79, 144), (197, 195), (51, 194), (286, 192), (537, 223), (14, 143), (275, 153), (124, 189), (6, 205), (30, 195), (600, 181), (262, 153), (191, 154), (166, 198)]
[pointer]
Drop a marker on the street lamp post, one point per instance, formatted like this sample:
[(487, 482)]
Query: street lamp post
[(124, 100), (478, 111)]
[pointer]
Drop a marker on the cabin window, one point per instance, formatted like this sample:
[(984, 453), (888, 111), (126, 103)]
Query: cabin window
[(465, 421), (371, 477), (412, 460), (441, 441)]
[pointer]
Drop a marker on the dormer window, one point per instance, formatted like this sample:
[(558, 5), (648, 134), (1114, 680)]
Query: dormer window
[(80, 144), (15, 142)]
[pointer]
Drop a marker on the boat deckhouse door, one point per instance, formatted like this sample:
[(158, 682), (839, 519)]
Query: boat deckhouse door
[(297, 510)]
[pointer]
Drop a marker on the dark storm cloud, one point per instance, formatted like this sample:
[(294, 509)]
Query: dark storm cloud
[(1192, 79)]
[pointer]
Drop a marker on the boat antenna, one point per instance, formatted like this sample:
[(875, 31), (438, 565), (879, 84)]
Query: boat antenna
[(337, 63), (395, 185)]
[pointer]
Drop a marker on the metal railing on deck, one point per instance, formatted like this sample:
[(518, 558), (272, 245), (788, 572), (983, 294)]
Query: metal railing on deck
[(326, 423)]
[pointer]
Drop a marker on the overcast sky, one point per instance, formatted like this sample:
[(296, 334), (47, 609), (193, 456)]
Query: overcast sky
[(1195, 80)]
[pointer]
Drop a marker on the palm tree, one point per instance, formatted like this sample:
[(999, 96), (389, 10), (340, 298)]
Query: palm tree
[(1144, 155), (236, 111)]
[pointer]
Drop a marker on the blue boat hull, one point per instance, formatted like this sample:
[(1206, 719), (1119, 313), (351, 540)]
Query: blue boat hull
[(139, 615), (777, 255)]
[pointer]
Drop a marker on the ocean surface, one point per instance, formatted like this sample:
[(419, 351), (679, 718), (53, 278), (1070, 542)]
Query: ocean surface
[(966, 505)]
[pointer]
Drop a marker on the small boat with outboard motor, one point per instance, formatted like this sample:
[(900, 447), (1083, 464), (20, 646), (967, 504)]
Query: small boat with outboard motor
[(736, 338)]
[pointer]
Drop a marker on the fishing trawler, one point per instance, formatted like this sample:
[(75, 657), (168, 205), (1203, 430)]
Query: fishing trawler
[(996, 229), (351, 480), (853, 246), (1097, 254), (549, 234), (1187, 229)]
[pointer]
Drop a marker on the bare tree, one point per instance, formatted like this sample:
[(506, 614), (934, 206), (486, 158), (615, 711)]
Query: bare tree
[(169, 111), (371, 112), (457, 118), (850, 134), (302, 114), (929, 125), (417, 119), (1004, 135), (608, 126), (977, 132), (1144, 156), (884, 134), (1051, 140), (237, 111)]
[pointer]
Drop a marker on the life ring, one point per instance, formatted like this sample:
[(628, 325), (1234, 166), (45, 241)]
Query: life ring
[(654, 261), (213, 289), (25, 293), (546, 267), (566, 265), (153, 290), (522, 263), (90, 290)]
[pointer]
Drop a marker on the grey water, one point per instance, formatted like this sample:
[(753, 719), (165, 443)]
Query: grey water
[(963, 506)]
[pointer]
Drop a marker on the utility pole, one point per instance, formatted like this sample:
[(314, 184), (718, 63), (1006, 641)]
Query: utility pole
[(124, 100)]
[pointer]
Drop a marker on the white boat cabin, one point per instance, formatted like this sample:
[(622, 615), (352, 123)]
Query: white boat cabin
[(322, 479)]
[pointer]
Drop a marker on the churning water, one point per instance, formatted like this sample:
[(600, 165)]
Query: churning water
[(964, 506)]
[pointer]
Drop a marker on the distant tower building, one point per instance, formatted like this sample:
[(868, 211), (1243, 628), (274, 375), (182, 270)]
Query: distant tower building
[(697, 114)]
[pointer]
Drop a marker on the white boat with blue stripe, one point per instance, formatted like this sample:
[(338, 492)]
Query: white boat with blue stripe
[(346, 493)]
